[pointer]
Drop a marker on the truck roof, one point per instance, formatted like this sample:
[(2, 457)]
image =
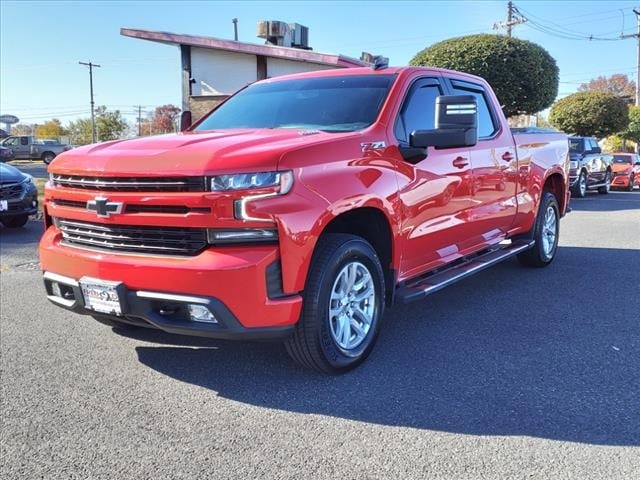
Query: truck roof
[(341, 72)]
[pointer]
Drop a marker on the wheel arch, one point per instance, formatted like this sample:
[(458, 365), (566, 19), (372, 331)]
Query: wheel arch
[(556, 184), (371, 224)]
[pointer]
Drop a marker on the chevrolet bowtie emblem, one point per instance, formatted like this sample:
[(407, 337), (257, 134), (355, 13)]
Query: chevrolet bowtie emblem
[(103, 207)]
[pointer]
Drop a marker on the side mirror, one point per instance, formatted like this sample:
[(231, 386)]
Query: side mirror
[(185, 120), (456, 124)]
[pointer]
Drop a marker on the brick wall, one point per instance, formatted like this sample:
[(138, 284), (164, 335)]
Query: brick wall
[(201, 104)]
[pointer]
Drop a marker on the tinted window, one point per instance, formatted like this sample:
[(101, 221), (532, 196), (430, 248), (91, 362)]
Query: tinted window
[(486, 124), (24, 141), (418, 111), (622, 159), (576, 145), (332, 104)]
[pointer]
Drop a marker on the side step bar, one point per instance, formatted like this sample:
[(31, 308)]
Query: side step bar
[(420, 287)]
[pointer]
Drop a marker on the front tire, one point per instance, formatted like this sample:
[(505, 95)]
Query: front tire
[(15, 222), (607, 184), (546, 231), (631, 181), (343, 304), (581, 187), (47, 157)]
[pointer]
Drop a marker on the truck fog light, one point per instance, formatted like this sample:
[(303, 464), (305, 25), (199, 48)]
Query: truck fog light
[(200, 313), (55, 288)]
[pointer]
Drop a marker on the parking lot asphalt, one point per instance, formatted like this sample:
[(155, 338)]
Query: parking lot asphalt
[(514, 373)]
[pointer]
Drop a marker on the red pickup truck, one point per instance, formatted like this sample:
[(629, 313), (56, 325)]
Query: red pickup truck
[(301, 207)]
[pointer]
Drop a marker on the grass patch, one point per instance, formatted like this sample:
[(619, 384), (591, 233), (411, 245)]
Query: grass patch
[(40, 184)]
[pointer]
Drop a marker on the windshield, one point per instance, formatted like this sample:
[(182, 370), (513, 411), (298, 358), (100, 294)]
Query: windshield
[(576, 145), (331, 104), (622, 159)]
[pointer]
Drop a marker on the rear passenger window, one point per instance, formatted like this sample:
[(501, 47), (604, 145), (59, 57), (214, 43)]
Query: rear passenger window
[(487, 126), (418, 111), (24, 141)]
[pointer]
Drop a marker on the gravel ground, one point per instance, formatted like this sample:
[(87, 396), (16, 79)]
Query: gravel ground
[(515, 373)]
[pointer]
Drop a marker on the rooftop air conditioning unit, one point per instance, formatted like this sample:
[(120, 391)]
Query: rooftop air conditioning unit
[(274, 32)]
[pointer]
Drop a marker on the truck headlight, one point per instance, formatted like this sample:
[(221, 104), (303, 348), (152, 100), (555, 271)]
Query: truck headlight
[(249, 181)]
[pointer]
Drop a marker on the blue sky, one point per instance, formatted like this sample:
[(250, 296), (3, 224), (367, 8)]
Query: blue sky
[(41, 42)]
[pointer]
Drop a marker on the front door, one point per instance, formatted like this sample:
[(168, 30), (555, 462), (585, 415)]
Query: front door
[(435, 191)]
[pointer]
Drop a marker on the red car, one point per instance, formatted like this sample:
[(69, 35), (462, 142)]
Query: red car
[(626, 171), (301, 207)]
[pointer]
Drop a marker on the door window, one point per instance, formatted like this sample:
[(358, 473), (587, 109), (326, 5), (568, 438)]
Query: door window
[(24, 141), (419, 109), (487, 125)]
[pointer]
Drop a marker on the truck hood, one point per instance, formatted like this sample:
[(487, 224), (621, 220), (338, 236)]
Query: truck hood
[(189, 153)]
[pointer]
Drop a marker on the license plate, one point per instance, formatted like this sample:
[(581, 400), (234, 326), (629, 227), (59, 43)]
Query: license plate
[(4, 205), (101, 296)]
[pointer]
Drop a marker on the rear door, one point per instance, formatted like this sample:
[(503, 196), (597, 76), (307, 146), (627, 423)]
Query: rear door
[(495, 166)]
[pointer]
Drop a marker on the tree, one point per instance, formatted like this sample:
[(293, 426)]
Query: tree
[(618, 84), (597, 114), (164, 118), (20, 129), (632, 132), (80, 131), (522, 74), (109, 126), (50, 129)]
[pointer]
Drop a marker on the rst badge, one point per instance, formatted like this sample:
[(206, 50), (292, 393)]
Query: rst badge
[(103, 207)]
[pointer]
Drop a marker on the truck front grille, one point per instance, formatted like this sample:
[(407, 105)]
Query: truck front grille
[(132, 184), (133, 239), (10, 191)]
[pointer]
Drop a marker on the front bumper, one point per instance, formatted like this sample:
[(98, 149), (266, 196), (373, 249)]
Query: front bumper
[(621, 180), (235, 283), (24, 204), (164, 311)]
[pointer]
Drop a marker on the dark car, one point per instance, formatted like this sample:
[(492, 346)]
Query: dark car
[(6, 154), (18, 196), (589, 167)]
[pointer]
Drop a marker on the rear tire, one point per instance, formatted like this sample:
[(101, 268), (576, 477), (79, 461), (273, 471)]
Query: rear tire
[(15, 222), (343, 304), (546, 232)]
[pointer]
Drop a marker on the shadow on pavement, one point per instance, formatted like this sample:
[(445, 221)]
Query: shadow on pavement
[(26, 236), (615, 200), (550, 353)]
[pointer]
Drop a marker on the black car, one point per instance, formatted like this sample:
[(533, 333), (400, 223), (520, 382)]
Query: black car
[(589, 167), (6, 154), (18, 196)]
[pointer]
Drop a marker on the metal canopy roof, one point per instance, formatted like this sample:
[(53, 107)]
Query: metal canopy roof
[(274, 51)]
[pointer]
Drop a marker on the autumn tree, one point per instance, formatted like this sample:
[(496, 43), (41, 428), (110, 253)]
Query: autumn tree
[(50, 129), (164, 119), (617, 84), (21, 129)]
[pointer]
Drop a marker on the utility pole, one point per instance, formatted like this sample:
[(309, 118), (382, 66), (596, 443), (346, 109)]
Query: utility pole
[(513, 18), (637, 37), (235, 28), (93, 116), (139, 120)]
